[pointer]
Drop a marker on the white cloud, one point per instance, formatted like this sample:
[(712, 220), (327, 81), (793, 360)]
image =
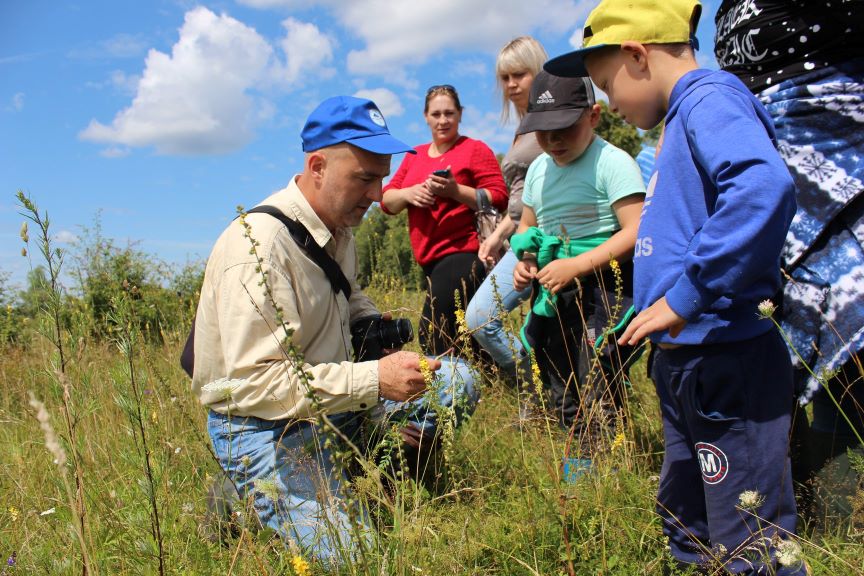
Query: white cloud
[(576, 39), (387, 101), (470, 68), (118, 46), (114, 152), (399, 34), (120, 81), (306, 49), (487, 127), (18, 101), (195, 100), (124, 46), (126, 83), (205, 97), (65, 237)]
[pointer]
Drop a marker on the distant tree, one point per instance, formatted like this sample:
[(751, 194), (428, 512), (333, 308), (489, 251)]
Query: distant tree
[(164, 298), (34, 297), (652, 136), (384, 249), (614, 130), (13, 322)]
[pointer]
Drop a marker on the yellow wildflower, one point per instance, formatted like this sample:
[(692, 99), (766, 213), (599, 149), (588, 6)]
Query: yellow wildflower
[(300, 566), (425, 370), (618, 442), (13, 513), (461, 325)]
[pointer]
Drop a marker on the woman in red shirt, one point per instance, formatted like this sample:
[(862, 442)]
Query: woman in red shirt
[(438, 187)]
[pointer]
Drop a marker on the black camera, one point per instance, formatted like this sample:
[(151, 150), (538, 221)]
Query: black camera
[(371, 335)]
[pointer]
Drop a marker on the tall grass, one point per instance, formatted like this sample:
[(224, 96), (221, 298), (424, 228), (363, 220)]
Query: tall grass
[(144, 459)]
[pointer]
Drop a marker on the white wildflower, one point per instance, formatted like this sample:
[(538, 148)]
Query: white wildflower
[(788, 553), (750, 500), (269, 487), (223, 387), (766, 309)]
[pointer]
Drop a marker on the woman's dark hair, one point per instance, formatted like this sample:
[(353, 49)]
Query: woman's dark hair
[(442, 89)]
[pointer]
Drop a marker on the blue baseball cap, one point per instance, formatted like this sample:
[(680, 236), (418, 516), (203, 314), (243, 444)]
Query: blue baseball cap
[(356, 121)]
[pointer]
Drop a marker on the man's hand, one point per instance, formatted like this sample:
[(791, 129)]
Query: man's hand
[(556, 275), (656, 318), (524, 272), (399, 376)]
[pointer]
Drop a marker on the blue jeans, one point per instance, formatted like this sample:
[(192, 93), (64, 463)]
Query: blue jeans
[(484, 315), (288, 471)]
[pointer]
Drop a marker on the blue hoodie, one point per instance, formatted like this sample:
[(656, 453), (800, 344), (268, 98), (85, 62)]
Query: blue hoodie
[(716, 213)]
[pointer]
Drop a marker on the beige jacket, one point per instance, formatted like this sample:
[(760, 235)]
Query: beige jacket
[(237, 335)]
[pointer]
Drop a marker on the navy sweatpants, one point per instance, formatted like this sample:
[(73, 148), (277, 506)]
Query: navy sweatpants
[(726, 415)]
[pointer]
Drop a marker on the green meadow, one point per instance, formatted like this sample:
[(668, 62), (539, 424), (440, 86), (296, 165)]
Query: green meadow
[(105, 462)]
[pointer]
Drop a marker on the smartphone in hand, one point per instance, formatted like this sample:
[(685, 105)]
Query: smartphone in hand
[(445, 173)]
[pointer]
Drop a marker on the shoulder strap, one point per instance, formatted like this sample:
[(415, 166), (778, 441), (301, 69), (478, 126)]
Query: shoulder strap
[(304, 240)]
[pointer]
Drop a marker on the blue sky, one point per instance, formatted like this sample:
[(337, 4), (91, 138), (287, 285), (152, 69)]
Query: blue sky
[(163, 115)]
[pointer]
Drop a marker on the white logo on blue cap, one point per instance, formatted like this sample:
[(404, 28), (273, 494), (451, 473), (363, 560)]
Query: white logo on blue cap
[(377, 118)]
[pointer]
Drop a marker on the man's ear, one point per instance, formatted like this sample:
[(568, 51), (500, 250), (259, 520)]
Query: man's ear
[(316, 163), (635, 54)]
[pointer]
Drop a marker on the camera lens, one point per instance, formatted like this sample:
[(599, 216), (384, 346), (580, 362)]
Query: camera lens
[(396, 333)]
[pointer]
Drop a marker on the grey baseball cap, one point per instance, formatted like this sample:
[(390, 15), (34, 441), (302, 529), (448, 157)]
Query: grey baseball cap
[(556, 102)]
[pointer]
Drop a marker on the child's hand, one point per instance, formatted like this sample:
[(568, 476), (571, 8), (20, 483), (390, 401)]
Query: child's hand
[(556, 275), (656, 318), (524, 272)]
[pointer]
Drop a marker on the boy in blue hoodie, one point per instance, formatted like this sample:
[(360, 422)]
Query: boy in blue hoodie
[(707, 254)]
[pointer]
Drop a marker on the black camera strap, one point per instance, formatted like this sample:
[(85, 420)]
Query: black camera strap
[(303, 238)]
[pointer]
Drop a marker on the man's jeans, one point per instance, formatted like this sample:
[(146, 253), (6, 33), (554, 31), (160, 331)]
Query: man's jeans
[(484, 314), (288, 467)]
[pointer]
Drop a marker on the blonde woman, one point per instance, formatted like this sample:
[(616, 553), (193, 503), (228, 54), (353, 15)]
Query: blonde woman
[(517, 64)]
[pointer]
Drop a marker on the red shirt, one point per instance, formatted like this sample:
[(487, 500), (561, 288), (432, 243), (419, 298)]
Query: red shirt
[(448, 226)]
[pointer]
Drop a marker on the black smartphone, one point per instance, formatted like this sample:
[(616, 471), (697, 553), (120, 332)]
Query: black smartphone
[(445, 173)]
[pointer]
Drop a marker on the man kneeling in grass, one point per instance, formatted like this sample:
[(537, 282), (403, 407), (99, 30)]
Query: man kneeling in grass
[(273, 361)]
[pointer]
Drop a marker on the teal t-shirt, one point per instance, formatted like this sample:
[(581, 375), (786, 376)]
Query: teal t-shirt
[(576, 200)]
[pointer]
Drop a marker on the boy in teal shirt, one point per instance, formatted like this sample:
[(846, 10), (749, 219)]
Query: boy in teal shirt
[(582, 200)]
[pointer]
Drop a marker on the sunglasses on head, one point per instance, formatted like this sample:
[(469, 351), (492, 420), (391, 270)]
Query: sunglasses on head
[(442, 88)]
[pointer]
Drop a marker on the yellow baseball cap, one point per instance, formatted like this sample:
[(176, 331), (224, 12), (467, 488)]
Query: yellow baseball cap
[(615, 21)]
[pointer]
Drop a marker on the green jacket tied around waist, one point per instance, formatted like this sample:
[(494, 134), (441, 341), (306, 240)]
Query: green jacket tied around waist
[(549, 248)]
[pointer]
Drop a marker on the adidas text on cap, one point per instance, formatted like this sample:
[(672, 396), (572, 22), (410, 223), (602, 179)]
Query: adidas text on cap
[(556, 102), (615, 21), (353, 120)]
